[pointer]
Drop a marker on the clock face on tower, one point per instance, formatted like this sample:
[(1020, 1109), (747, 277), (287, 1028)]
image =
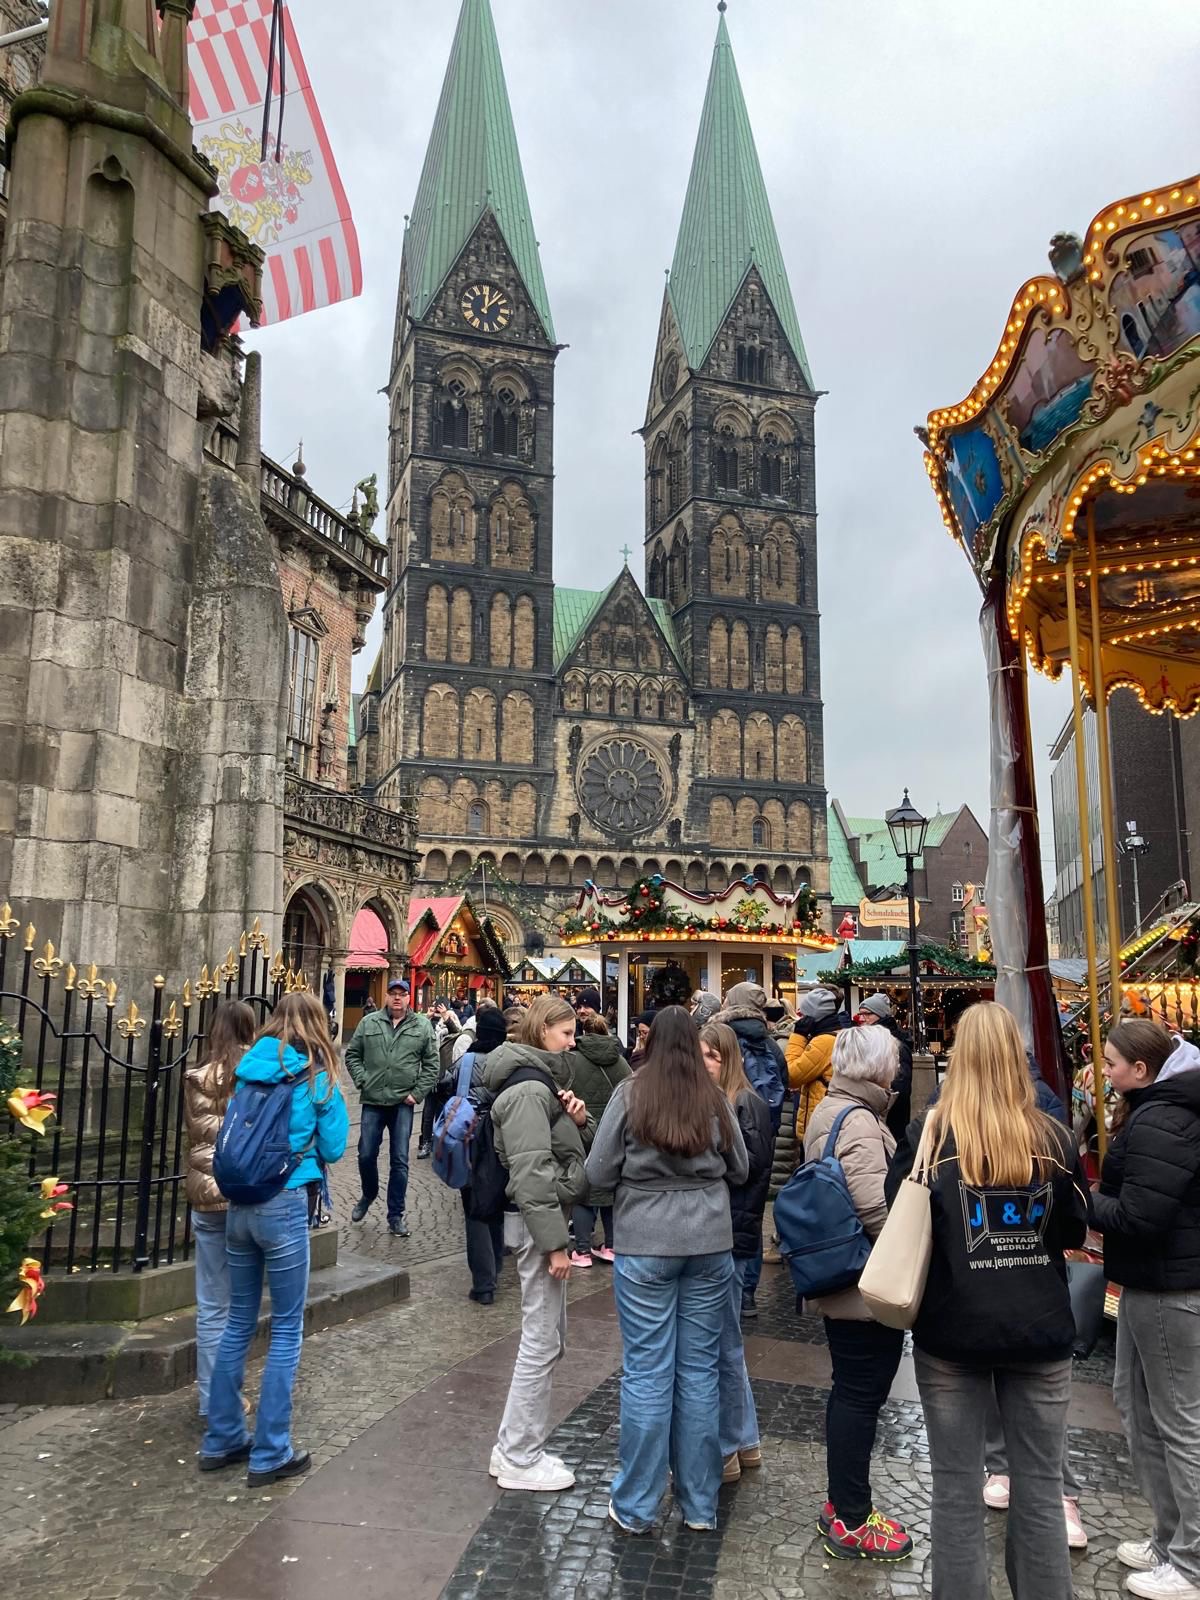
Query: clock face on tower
[(486, 308)]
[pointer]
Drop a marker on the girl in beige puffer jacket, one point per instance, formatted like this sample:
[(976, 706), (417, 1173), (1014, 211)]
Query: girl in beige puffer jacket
[(207, 1090)]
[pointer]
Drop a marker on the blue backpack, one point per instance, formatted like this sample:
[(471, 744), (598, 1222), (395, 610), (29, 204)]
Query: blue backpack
[(454, 1131), (820, 1235), (253, 1158)]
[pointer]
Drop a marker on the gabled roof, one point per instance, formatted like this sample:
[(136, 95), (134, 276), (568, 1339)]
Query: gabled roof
[(727, 226), (883, 865), (845, 885), (574, 609), (472, 165)]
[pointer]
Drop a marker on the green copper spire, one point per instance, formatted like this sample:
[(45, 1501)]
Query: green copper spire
[(472, 163), (726, 225)]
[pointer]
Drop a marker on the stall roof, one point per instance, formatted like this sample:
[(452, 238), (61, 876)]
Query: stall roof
[(437, 913)]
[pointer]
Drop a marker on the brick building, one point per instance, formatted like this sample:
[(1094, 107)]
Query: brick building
[(555, 735), (955, 855)]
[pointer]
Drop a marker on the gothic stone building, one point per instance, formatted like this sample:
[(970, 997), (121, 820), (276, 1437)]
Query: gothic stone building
[(555, 735)]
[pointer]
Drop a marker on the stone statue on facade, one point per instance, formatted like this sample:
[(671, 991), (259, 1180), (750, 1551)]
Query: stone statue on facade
[(326, 747)]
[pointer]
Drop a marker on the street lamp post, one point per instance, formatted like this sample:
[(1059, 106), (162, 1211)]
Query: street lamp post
[(1133, 845), (908, 828)]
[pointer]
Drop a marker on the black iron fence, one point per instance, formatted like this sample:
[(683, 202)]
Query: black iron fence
[(117, 1137)]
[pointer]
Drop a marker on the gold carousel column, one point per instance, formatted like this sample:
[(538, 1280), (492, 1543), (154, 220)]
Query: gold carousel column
[(1085, 851), (1108, 836)]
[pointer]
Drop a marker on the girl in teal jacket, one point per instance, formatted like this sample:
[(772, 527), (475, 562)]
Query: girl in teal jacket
[(293, 1043)]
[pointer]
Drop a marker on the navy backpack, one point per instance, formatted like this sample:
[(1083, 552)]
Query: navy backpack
[(820, 1235), (253, 1158)]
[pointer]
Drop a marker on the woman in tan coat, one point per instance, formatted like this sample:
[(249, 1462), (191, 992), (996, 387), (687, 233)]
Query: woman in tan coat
[(206, 1093), (864, 1354)]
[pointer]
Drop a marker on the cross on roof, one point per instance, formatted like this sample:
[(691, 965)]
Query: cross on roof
[(626, 552)]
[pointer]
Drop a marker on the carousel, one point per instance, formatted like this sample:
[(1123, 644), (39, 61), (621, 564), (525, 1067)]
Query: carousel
[(669, 941), (1070, 477)]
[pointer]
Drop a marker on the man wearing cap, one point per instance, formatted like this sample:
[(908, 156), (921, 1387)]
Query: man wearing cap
[(876, 1012), (393, 1062)]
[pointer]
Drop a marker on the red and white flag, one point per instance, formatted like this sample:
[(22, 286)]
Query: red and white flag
[(294, 209)]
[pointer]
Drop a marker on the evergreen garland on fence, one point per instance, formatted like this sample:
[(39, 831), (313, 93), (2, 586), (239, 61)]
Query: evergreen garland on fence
[(950, 963), (21, 1207)]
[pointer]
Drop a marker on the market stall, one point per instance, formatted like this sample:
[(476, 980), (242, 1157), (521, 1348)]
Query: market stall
[(670, 941), (950, 981), (454, 954), (1068, 475)]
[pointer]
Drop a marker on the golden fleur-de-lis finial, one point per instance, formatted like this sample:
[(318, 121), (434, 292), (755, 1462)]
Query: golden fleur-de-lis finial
[(69, 980), (187, 992), (111, 998), (30, 935), (229, 968), (8, 923), (302, 983), (48, 964), (205, 986), (172, 1022), (132, 1025), (243, 945), (258, 939), (278, 968), (91, 987)]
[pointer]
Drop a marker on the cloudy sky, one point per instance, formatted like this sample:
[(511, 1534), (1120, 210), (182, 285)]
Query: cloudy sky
[(919, 154)]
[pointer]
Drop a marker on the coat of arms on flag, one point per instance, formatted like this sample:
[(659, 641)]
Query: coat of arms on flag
[(295, 209)]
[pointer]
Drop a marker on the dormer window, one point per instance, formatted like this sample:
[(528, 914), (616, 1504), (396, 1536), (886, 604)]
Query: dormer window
[(956, 894)]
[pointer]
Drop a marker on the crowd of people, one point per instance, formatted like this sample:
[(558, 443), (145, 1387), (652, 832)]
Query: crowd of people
[(656, 1161)]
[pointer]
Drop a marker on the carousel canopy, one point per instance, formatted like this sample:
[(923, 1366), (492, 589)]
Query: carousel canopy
[(1070, 473)]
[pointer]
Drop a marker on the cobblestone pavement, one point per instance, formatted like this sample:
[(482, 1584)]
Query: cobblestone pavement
[(433, 1212)]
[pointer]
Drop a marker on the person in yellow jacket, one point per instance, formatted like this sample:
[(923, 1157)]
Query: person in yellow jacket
[(810, 1051)]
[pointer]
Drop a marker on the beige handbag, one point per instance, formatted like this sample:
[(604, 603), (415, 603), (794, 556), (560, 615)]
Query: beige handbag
[(893, 1280)]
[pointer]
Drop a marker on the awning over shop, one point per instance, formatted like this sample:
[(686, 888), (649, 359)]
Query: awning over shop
[(368, 943)]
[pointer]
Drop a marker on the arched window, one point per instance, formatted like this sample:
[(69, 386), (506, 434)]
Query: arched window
[(726, 465), (753, 364), (760, 834), (455, 418), (771, 465), (504, 423), (477, 817)]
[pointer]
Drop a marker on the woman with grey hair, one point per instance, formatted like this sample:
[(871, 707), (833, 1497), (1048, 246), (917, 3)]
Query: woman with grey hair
[(865, 1354), (704, 1007)]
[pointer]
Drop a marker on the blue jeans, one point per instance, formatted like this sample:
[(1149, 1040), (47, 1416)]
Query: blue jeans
[(212, 1295), (398, 1121), (271, 1237), (752, 1266), (739, 1420), (670, 1309)]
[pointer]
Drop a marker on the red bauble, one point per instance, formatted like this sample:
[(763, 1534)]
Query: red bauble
[(645, 890), (720, 922)]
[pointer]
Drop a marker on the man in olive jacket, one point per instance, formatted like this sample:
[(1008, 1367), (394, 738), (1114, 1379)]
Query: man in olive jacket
[(393, 1061)]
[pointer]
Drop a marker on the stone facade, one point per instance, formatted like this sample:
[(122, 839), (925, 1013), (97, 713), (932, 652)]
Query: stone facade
[(552, 736), (143, 639)]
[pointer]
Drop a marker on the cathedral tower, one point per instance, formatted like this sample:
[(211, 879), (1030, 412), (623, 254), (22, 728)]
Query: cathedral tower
[(466, 683), (730, 540)]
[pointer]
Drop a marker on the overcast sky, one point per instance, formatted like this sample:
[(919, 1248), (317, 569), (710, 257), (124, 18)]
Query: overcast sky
[(918, 154)]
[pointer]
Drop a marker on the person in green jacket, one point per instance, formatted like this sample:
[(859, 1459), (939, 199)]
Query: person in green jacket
[(393, 1062), (599, 1068), (541, 1132)]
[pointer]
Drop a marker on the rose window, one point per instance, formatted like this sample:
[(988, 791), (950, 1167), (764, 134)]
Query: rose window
[(621, 786)]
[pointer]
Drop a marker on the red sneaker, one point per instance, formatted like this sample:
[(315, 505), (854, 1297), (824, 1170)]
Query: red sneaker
[(878, 1539), (827, 1514)]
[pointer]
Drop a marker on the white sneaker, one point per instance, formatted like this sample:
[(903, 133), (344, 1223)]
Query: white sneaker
[(546, 1476), (1076, 1532), (995, 1491), (1165, 1582), (1138, 1554), (500, 1461)]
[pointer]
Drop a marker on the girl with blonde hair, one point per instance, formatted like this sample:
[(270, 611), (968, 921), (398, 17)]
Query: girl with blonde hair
[(1007, 1197), (293, 1047), (740, 1446), (541, 1132)]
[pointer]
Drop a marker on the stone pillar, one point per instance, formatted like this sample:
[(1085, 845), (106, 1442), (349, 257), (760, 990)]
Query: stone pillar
[(338, 964), (140, 730)]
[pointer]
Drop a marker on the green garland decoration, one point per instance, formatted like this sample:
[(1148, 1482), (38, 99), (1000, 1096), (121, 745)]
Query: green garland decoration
[(645, 911), (952, 963)]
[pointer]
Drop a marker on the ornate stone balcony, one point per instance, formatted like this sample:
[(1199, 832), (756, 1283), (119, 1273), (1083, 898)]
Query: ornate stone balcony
[(294, 513), (349, 847)]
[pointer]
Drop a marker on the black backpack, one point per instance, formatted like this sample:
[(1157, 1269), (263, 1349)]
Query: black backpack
[(489, 1175)]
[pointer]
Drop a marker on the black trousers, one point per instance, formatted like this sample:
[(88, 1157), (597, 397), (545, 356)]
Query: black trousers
[(865, 1357)]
